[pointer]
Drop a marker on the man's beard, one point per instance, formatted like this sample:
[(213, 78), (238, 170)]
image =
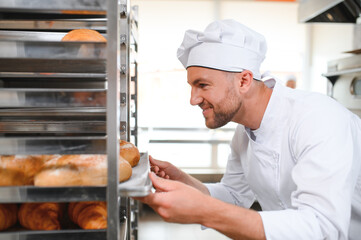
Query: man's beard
[(230, 105)]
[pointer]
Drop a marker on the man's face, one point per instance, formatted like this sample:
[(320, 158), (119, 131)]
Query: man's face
[(216, 93)]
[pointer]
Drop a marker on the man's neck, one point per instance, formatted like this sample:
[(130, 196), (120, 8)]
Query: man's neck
[(254, 107)]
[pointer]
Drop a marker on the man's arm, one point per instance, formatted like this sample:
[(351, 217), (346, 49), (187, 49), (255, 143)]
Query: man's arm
[(180, 203)]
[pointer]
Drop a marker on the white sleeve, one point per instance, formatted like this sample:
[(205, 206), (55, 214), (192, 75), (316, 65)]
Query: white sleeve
[(322, 143), (233, 187)]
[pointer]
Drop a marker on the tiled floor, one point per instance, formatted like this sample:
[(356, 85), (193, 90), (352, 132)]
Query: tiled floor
[(152, 227)]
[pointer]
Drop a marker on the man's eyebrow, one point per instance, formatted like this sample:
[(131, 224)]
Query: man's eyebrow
[(195, 82)]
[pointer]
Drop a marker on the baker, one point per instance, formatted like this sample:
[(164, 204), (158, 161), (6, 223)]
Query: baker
[(297, 153)]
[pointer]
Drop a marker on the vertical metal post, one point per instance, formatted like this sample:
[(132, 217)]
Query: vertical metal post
[(113, 118)]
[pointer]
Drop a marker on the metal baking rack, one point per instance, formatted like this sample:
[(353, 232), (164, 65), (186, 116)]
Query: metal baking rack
[(53, 99)]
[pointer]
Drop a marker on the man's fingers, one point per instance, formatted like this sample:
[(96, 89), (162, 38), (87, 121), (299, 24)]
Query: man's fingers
[(156, 162), (161, 184)]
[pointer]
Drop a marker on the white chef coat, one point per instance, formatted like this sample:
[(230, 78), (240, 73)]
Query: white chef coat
[(302, 165)]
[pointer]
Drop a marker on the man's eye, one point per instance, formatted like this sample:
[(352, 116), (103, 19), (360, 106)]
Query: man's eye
[(202, 85)]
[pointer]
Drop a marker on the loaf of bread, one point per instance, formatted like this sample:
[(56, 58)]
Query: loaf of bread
[(79, 170), (88, 215), (129, 152), (84, 35), (41, 216), (20, 169), (8, 215)]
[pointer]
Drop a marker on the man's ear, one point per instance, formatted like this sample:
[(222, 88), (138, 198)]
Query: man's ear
[(245, 79)]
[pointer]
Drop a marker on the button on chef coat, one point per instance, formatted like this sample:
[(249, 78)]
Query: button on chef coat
[(302, 165)]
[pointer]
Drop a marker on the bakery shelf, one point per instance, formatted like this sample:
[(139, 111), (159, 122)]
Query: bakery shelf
[(47, 127), (137, 186), (52, 6), (52, 145), (55, 235), (52, 98), (98, 24), (31, 75)]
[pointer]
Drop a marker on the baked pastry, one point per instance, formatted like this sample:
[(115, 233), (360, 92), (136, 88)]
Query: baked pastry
[(8, 215), (129, 152), (41, 216), (19, 169), (79, 170), (84, 35), (88, 215)]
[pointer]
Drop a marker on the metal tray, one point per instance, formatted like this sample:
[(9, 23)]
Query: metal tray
[(55, 235), (138, 185), (25, 98), (98, 24), (51, 6), (33, 145)]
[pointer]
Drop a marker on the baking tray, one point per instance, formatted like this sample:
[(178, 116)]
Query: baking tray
[(98, 24), (138, 185), (55, 76), (30, 98), (33, 145), (51, 6), (56, 235)]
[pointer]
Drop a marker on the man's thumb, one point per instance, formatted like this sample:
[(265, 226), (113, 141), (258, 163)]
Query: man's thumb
[(161, 184)]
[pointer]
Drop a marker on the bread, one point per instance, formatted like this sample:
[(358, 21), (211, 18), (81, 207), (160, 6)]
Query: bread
[(86, 35), (88, 215), (41, 216), (8, 215), (79, 170), (129, 152), (19, 169)]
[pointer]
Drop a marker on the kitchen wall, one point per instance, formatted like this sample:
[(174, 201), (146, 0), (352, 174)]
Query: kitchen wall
[(293, 48)]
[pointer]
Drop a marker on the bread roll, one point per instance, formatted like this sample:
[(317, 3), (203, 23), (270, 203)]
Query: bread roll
[(8, 215), (86, 35), (41, 216), (79, 170), (129, 152), (88, 215), (19, 169)]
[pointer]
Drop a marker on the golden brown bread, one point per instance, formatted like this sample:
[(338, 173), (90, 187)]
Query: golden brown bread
[(41, 216), (129, 152), (87, 35), (88, 215), (79, 170), (8, 215), (20, 169)]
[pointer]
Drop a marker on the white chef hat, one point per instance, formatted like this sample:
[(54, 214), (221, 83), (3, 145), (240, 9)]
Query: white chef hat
[(224, 45)]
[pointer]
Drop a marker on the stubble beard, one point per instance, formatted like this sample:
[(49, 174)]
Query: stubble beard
[(224, 112)]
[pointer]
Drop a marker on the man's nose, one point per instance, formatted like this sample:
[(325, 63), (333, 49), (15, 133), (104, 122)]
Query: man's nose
[(196, 99)]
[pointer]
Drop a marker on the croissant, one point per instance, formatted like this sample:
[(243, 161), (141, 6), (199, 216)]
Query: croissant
[(41, 216), (8, 215), (88, 215)]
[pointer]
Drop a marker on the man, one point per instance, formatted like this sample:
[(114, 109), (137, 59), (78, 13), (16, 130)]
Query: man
[(297, 153)]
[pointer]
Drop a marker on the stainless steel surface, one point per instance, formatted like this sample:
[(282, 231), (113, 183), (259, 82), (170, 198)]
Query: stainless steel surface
[(98, 24), (113, 119), (52, 5), (25, 98), (11, 145), (52, 50), (344, 11), (25, 75), (342, 92), (59, 234), (137, 186), (48, 127), (52, 112)]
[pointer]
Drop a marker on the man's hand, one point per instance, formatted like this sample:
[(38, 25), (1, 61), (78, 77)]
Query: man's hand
[(175, 201), (167, 170)]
